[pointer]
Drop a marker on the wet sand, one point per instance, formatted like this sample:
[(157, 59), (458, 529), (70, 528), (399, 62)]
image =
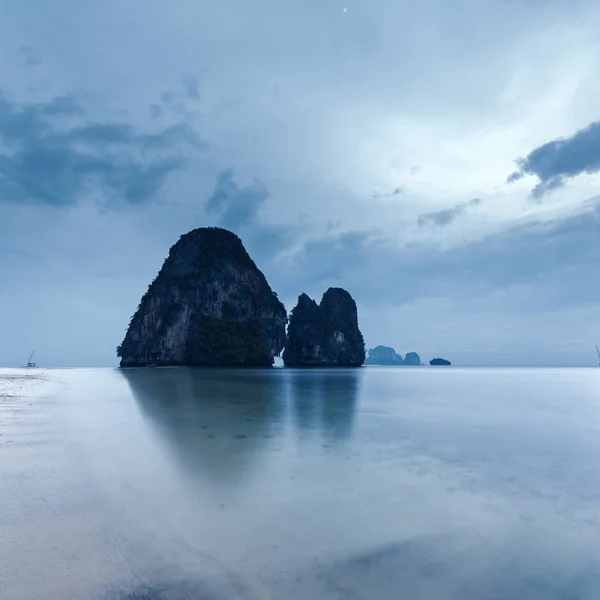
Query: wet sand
[(25, 383)]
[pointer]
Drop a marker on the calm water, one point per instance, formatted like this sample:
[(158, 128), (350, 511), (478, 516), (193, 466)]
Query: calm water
[(378, 483)]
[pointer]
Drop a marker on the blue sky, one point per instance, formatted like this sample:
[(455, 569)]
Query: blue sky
[(440, 162)]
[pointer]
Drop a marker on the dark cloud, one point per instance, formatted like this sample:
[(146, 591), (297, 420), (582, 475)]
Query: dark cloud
[(31, 120), (553, 259), (30, 57), (190, 85), (167, 97), (332, 258), (235, 206), (395, 192), (52, 155), (179, 103), (155, 111), (441, 218), (558, 160)]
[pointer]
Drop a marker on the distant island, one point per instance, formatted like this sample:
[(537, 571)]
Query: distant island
[(439, 362), (210, 305), (385, 355), (412, 359)]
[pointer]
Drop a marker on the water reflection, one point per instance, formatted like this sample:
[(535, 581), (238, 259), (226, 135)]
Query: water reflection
[(214, 421), (329, 485), (218, 422), (325, 400)]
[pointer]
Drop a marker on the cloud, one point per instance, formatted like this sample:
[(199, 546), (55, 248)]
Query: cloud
[(30, 56), (31, 120), (53, 156), (167, 97), (441, 218), (235, 206), (561, 159), (190, 85), (238, 208), (332, 259), (545, 263), (155, 111), (395, 192)]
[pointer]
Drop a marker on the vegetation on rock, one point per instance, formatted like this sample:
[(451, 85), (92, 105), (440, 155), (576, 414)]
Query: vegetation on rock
[(325, 334), (209, 305)]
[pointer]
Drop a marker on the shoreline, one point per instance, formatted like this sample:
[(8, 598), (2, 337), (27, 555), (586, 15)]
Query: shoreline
[(20, 383)]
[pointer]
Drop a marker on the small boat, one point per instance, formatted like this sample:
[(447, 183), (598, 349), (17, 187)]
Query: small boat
[(30, 364)]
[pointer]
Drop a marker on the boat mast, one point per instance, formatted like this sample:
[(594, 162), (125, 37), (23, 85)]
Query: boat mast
[(598, 351), (34, 351)]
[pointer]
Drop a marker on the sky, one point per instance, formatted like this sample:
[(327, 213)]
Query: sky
[(440, 161)]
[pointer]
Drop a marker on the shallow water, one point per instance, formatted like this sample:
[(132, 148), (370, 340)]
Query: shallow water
[(376, 483)]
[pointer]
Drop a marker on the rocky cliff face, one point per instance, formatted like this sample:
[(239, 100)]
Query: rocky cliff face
[(324, 334), (383, 355), (209, 305), (412, 359)]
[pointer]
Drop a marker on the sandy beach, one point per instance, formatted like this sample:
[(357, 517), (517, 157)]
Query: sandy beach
[(25, 383)]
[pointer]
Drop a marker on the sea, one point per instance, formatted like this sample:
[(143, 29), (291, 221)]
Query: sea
[(366, 484)]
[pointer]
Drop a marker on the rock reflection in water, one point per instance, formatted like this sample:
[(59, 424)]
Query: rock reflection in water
[(325, 400), (217, 422), (214, 420)]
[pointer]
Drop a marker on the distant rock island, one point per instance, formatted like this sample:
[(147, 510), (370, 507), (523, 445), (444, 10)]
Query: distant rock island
[(412, 359), (209, 305), (384, 355), (325, 334), (439, 362)]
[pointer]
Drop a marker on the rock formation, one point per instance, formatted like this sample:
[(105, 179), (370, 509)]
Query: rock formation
[(439, 362), (383, 355), (324, 334), (412, 359), (209, 305)]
